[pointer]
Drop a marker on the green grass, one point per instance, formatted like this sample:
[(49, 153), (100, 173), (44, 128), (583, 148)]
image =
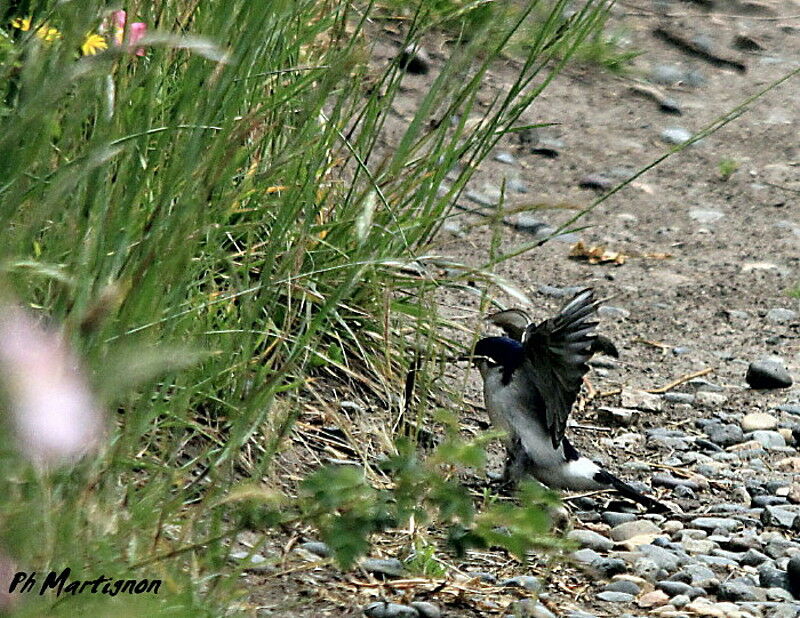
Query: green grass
[(214, 227)]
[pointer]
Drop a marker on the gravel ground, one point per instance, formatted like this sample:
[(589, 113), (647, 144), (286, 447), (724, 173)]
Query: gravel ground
[(699, 310)]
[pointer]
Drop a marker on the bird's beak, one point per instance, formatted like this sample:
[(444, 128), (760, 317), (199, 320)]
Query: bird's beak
[(472, 358)]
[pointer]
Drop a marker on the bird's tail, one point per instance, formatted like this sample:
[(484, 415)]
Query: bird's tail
[(651, 504)]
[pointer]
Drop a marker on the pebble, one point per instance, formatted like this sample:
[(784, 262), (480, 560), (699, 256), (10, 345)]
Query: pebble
[(613, 518), (631, 529), (793, 576), (383, 609), (426, 610), (608, 567), (716, 523), (617, 417), (666, 74), (623, 585), (768, 373), (614, 313), (517, 185), (768, 439), (317, 548), (654, 598), (390, 566), (675, 135), (591, 539), (528, 608), (705, 216), (667, 480), (528, 582), (480, 199), (415, 60), (615, 597), (758, 420), (780, 315), (505, 157), (709, 399), (724, 435), (780, 517), (663, 558), (598, 182), (641, 400)]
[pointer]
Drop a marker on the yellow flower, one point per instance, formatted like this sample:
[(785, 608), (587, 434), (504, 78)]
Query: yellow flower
[(48, 34), (45, 33), (93, 44), (21, 23)]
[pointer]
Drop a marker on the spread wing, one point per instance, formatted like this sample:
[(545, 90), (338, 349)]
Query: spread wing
[(512, 321), (558, 349)]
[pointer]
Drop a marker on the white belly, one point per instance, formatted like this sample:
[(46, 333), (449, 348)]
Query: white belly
[(510, 407)]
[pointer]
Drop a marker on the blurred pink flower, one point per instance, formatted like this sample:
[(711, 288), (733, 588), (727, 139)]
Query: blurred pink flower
[(136, 31), (54, 414)]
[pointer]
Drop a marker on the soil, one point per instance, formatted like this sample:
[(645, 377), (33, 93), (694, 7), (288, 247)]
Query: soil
[(694, 294)]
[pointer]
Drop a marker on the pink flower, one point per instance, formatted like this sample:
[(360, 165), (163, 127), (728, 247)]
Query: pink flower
[(53, 411), (136, 31)]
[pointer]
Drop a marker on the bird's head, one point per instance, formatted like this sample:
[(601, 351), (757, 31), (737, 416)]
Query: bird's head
[(497, 352)]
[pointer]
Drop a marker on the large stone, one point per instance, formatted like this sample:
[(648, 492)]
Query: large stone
[(768, 373)]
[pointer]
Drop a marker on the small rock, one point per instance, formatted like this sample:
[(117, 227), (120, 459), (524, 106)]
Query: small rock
[(617, 417), (738, 592), (680, 600), (780, 517), (793, 576), (528, 608), (615, 597), (716, 523), (790, 408), (591, 539), (768, 373), (608, 567), (758, 420), (666, 74), (505, 157), (614, 313), (480, 199), (780, 315), (647, 569), (770, 577), (528, 582), (391, 566), (769, 439), (615, 519), (724, 435), (654, 598), (705, 216), (383, 609), (317, 548), (745, 42), (517, 185), (641, 400), (426, 610), (667, 480), (664, 558), (598, 182), (623, 585), (708, 399), (675, 135), (631, 529), (415, 60), (586, 556)]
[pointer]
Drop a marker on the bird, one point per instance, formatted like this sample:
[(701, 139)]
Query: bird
[(531, 380)]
